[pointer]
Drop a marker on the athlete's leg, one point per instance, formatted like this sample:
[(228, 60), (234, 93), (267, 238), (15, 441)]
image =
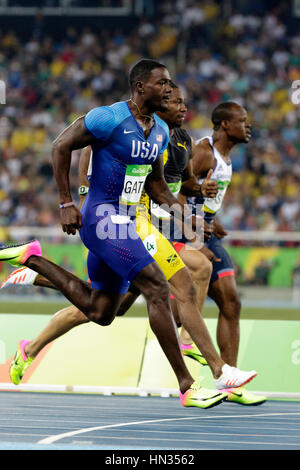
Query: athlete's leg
[(200, 269), (191, 318), (126, 303), (61, 322), (224, 292), (99, 306), (41, 281), (153, 285)]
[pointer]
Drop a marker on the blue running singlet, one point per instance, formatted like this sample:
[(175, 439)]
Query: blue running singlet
[(121, 160)]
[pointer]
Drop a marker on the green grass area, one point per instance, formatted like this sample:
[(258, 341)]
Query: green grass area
[(210, 311)]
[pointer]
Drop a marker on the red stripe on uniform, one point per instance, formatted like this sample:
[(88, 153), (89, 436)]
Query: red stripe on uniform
[(178, 246), (226, 273)]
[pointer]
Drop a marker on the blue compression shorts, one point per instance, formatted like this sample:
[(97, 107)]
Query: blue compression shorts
[(113, 262)]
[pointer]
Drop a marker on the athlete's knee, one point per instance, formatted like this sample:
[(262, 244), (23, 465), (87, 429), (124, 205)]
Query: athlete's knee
[(77, 317), (71, 316), (101, 318), (185, 290), (101, 310), (157, 290), (232, 306), (203, 271)]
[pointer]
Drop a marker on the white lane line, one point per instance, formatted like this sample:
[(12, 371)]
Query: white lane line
[(51, 439)]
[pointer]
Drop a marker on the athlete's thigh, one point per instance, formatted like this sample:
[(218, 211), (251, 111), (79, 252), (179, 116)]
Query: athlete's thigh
[(106, 301), (119, 247), (103, 278), (223, 268), (223, 291), (159, 248), (194, 259)]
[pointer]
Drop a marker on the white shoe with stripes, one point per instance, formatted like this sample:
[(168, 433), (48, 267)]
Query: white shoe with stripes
[(20, 277), (233, 377)]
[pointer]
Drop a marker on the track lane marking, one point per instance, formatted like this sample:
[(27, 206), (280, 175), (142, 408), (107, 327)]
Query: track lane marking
[(57, 437)]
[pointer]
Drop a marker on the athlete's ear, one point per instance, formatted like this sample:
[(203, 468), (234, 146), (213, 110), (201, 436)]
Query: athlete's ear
[(225, 124), (139, 86)]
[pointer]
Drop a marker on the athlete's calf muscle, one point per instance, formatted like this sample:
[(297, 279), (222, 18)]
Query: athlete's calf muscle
[(41, 281)]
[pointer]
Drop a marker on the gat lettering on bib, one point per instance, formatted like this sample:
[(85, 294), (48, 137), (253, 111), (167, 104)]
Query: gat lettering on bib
[(134, 183)]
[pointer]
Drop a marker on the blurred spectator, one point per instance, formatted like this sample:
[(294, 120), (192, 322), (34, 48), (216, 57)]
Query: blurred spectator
[(250, 57), (262, 271)]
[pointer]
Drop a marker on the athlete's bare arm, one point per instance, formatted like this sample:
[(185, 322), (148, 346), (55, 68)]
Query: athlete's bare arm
[(203, 162), (218, 229), (76, 136), (190, 185), (84, 160), (156, 185), (203, 159)]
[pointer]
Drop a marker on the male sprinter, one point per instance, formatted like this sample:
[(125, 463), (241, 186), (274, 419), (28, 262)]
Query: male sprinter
[(230, 127), (176, 157), (115, 261)]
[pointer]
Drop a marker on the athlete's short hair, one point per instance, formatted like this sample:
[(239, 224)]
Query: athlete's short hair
[(142, 70), (222, 112)]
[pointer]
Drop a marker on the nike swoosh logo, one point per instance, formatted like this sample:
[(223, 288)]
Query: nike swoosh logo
[(205, 399), (7, 259), (127, 132), (236, 394)]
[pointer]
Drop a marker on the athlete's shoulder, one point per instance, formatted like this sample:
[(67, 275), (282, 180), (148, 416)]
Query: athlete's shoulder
[(203, 156), (182, 134), (160, 122), (120, 110), (204, 146), (101, 121)]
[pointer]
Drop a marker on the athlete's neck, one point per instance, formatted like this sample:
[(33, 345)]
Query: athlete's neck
[(140, 110), (223, 144)]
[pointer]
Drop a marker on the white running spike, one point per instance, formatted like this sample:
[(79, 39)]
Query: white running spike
[(20, 277)]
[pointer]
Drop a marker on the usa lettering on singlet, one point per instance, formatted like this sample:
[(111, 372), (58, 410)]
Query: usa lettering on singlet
[(121, 156)]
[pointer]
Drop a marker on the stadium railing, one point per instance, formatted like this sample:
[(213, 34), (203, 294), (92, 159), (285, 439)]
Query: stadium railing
[(23, 233)]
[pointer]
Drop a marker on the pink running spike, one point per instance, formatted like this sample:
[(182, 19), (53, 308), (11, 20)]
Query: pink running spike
[(23, 344), (186, 346), (33, 248)]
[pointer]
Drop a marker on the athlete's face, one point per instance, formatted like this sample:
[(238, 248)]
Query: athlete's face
[(238, 126), (157, 90), (175, 115)]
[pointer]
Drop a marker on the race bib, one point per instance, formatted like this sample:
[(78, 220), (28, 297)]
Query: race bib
[(156, 209), (134, 183), (214, 204)]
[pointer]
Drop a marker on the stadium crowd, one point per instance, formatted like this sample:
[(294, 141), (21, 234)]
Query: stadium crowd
[(251, 58)]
